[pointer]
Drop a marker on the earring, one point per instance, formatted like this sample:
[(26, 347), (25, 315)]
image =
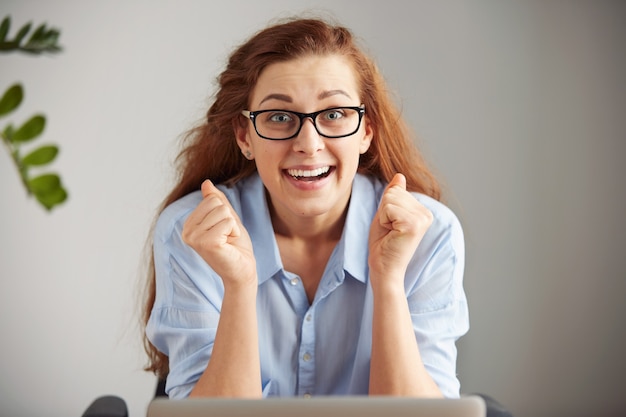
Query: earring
[(248, 154)]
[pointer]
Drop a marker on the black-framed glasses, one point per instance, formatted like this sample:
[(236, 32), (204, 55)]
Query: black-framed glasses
[(334, 122)]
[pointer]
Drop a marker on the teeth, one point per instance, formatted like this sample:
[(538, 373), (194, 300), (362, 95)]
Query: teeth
[(308, 173)]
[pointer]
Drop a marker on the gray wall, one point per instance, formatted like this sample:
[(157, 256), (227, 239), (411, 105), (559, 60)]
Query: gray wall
[(520, 107)]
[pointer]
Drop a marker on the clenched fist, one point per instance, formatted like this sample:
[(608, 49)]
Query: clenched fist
[(216, 233), (397, 229)]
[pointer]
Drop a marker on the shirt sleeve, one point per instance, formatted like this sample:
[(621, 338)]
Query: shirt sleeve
[(184, 319), (436, 298)]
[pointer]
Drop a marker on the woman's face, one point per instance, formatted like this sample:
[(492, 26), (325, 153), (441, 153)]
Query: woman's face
[(308, 175)]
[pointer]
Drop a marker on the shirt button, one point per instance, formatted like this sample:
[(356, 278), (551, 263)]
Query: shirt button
[(306, 357), (308, 317), (294, 281)]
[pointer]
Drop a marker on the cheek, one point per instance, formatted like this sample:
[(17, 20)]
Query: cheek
[(349, 155), (358, 147), (268, 156)]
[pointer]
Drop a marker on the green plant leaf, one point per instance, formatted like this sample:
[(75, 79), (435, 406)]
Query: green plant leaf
[(52, 37), (31, 129), (43, 40), (40, 41), (52, 197), (8, 132), (22, 33), (11, 99), (41, 156), (44, 183), (4, 28), (38, 33), (48, 190)]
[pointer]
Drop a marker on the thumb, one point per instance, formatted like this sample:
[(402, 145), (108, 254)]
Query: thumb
[(398, 180), (207, 188)]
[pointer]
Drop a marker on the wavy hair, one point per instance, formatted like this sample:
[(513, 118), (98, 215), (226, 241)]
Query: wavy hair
[(210, 150)]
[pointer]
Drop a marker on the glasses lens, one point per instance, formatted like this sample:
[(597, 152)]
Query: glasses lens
[(281, 124), (337, 122), (277, 124)]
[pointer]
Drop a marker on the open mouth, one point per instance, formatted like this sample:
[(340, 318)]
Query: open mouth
[(310, 175)]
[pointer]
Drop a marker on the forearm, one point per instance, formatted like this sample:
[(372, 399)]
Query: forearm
[(234, 367), (396, 365)]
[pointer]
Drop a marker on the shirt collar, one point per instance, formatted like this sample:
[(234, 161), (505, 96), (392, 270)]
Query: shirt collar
[(256, 219), (361, 211)]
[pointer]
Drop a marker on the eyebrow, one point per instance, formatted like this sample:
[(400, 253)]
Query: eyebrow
[(280, 97), (287, 99), (330, 93)]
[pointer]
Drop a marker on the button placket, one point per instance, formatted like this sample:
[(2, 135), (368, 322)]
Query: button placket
[(295, 291), (306, 372)]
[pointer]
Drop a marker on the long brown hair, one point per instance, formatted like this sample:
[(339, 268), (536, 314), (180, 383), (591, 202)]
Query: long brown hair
[(210, 150)]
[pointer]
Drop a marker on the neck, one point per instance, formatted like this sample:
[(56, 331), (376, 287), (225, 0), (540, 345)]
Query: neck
[(314, 230)]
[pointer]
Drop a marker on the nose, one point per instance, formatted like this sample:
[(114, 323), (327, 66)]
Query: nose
[(308, 140)]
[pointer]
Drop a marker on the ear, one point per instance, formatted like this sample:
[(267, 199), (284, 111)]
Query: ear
[(366, 140), (242, 134)]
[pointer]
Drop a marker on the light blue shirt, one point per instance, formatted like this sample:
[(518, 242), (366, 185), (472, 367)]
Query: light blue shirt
[(323, 348)]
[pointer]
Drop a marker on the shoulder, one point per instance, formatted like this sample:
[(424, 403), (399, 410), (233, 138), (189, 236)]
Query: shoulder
[(445, 233), (443, 216)]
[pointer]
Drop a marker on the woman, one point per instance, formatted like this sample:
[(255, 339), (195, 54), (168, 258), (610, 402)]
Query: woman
[(304, 250)]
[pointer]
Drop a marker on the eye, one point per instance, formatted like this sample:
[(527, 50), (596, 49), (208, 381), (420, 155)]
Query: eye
[(280, 117), (332, 115)]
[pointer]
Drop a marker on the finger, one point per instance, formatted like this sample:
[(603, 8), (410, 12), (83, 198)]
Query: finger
[(398, 180), (208, 188), (204, 208), (217, 224), (220, 229), (391, 196)]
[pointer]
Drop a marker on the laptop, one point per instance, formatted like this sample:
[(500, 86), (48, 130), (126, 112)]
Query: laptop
[(335, 406)]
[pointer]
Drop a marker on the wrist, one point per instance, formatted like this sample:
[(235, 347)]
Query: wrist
[(390, 283), (244, 285)]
